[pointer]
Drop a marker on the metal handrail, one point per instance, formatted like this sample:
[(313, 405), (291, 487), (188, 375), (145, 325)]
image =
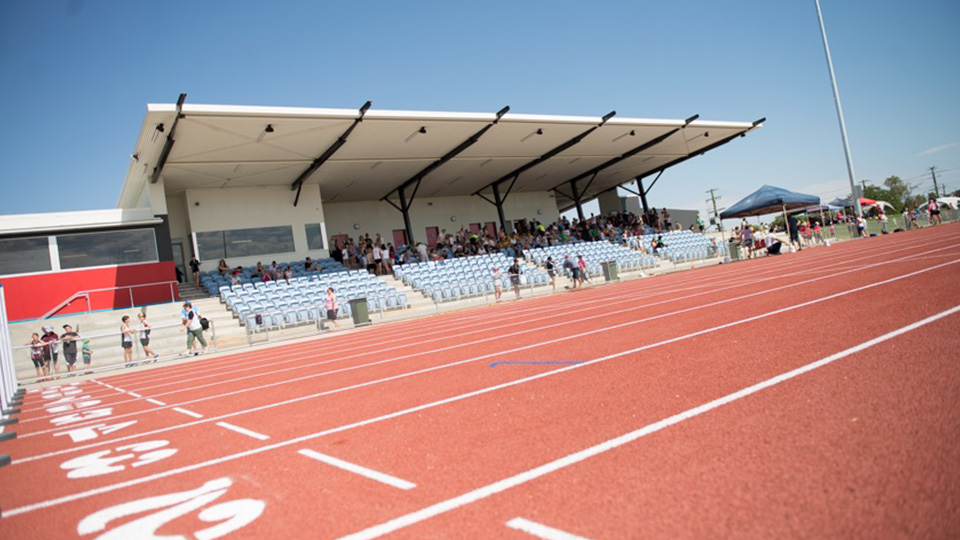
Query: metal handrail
[(86, 294)]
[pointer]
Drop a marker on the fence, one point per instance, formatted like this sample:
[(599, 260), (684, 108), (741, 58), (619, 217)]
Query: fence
[(103, 351), (9, 394)]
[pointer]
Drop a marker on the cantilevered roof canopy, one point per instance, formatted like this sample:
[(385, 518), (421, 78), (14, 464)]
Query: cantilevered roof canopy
[(224, 147)]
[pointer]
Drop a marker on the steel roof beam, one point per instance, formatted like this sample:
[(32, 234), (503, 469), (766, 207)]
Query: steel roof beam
[(328, 153), (168, 144)]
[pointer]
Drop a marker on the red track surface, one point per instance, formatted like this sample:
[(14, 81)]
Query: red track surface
[(627, 443)]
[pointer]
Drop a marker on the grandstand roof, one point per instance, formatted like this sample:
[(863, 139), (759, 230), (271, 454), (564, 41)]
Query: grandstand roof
[(219, 146)]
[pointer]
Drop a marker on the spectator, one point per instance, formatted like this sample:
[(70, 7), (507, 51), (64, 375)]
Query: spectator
[(332, 307), (794, 232), (773, 243), (69, 339), (746, 239), (934, 210), (275, 272), (387, 253), (144, 334), (309, 265), (179, 274), (883, 222), (584, 273), (126, 340), (861, 226), (260, 271), (223, 268), (235, 279), (552, 272), (287, 274), (377, 260), (569, 265), (36, 353), (87, 353), (497, 284), (51, 351), (514, 273), (195, 268), (194, 330)]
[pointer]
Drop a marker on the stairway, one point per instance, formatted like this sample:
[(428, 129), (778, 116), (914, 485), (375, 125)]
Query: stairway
[(190, 292)]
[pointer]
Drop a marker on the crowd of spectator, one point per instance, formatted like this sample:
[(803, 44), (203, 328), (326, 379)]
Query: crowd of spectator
[(379, 257)]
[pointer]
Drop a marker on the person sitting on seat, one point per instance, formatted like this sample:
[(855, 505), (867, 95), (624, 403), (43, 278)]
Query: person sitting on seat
[(773, 244)]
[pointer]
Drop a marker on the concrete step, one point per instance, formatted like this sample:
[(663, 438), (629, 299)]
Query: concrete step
[(189, 292)]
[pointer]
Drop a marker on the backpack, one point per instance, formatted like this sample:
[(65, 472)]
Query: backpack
[(204, 323)]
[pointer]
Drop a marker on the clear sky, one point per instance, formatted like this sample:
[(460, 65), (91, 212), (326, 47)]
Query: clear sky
[(77, 77)]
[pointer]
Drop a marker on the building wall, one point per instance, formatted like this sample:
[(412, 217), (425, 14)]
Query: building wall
[(448, 213), (251, 207), (30, 296)]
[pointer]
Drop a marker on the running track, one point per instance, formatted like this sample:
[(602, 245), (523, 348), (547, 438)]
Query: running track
[(810, 395)]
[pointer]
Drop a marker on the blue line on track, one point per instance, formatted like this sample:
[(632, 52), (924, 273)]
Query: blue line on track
[(535, 363)]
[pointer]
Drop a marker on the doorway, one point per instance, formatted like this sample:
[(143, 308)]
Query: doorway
[(179, 259), (399, 237), (432, 234)]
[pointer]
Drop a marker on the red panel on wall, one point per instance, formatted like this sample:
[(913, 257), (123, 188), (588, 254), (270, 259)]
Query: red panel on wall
[(32, 296)]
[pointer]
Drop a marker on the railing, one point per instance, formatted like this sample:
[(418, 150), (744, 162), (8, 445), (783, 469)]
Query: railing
[(86, 295)]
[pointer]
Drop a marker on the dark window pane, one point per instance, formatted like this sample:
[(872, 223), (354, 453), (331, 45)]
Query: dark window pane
[(314, 236), (259, 241), (24, 255), (210, 246), (106, 248)]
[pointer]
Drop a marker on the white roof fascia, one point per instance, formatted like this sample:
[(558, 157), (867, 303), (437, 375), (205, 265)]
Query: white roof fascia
[(87, 219)]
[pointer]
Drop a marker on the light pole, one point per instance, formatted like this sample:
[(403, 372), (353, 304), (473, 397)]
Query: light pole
[(843, 127)]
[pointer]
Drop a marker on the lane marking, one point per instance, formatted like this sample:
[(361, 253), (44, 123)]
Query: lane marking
[(357, 469), (509, 351), (156, 402), (495, 364), (404, 412), (571, 459), (640, 293), (498, 353), (188, 413), (134, 394), (243, 431), (540, 530)]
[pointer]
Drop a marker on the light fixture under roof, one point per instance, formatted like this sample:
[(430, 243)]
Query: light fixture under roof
[(269, 128), (421, 131), (539, 131)]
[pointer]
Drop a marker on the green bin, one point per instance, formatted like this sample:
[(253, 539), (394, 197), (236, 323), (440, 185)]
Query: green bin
[(734, 250), (358, 309), (609, 270)]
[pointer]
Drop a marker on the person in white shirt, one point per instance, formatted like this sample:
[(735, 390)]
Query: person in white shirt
[(194, 329)]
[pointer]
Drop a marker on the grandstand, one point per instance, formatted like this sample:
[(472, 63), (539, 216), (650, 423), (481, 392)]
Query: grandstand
[(466, 277), (594, 253), (680, 246)]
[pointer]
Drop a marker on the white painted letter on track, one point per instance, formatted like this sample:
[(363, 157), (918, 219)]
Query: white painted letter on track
[(102, 462), (229, 516), (88, 433), (81, 416)]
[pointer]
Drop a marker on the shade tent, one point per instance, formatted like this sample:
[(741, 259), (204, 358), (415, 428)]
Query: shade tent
[(952, 202), (767, 200), (842, 203)]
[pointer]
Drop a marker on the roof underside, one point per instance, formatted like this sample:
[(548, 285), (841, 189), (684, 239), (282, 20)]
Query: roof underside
[(226, 147)]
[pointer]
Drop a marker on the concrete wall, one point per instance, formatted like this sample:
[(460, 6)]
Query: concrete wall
[(375, 217), (249, 207)]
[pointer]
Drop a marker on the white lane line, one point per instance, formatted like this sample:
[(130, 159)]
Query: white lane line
[(242, 431), (541, 531), (362, 471), (484, 357), (571, 459), (404, 412), (188, 413), (134, 394), (157, 402)]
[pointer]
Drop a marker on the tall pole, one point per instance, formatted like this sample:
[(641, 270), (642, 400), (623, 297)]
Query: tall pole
[(933, 171), (843, 127)]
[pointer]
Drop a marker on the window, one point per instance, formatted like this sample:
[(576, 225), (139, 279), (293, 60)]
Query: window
[(215, 245), (107, 248), (24, 255), (314, 236)]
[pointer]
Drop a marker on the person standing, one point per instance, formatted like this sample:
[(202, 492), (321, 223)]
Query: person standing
[(934, 212), (497, 284), (584, 274), (126, 340), (144, 335), (794, 231), (87, 352), (552, 272), (69, 339), (332, 307), (50, 351), (194, 330), (36, 353), (195, 269), (569, 265), (514, 273)]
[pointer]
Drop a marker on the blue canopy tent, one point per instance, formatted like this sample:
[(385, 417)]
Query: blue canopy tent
[(767, 200)]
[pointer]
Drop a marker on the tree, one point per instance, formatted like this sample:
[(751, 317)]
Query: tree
[(899, 192)]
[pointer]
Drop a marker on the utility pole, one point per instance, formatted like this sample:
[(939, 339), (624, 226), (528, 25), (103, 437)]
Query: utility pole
[(933, 171), (713, 199)]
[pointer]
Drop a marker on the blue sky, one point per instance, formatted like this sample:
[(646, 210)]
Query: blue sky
[(78, 75)]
